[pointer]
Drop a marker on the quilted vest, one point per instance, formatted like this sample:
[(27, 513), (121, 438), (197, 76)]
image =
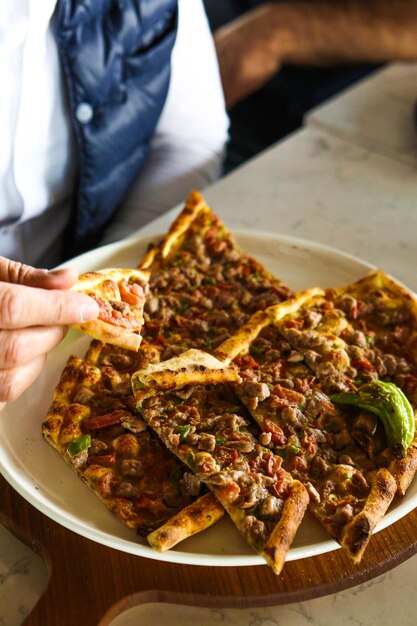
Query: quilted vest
[(115, 56)]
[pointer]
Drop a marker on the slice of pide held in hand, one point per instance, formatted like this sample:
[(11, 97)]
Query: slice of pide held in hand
[(94, 426), (288, 386), (203, 287), (203, 424), (121, 295)]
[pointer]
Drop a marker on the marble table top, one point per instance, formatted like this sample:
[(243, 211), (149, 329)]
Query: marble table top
[(378, 114), (348, 179)]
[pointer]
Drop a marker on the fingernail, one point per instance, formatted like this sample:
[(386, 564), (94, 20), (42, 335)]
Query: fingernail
[(57, 272), (88, 311)]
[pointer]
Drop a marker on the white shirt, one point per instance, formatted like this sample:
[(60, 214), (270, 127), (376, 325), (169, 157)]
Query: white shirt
[(37, 163), (37, 156)]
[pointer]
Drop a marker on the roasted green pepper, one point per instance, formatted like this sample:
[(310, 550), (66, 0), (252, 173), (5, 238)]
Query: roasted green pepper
[(183, 432), (390, 404), (78, 445)]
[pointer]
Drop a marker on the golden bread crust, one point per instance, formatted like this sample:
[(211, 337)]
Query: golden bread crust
[(191, 367), (124, 464), (280, 540), (110, 287), (198, 516), (357, 533), (194, 205)]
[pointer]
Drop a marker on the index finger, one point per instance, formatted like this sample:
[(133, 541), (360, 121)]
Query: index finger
[(21, 274), (22, 306)]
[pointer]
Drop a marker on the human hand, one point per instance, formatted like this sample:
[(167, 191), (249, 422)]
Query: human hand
[(35, 308), (248, 53)]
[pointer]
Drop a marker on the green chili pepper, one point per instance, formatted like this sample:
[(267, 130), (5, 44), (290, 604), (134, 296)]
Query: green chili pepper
[(289, 450), (390, 404), (183, 307), (137, 384), (78, 445), (190, 460), (183, 432), (220, 440), (233, 409)]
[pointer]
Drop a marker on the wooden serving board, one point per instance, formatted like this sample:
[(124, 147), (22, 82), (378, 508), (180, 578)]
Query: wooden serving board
[(96, 583)]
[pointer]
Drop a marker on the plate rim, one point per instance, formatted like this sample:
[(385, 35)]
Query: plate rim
[(13, 473)]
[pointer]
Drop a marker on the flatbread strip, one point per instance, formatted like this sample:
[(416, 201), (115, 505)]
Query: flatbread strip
[(292, 358), (228, 287), (194, 205), (194, 518), (190, 368), (116, 366), (121, 295), (202, 286), (95, 427), (204, 427), (373, 324)]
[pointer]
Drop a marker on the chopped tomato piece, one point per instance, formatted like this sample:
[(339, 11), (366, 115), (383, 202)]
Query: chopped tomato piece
[(104, 421), (363, 364), (273, 466), (282, 488), (310, 443), (211, 233), (153, 506), (225, 456), (160, 339), (294, 323), (132, 293), (229, 492), (335, 504), (117, 313), (246, 361), (102, 459), (292, 397), (354, 312), (277, 434), (106, 484)]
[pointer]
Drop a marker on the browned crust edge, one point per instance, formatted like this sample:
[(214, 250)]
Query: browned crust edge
[(404, 469), (377, 279), (109, 333), (279, 542), (51, 426), (193, 205), (242, 339), (357, 533), (180, 371), (193, 519), (90, 280)]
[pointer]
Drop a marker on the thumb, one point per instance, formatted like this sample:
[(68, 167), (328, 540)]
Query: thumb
[(21, 274)]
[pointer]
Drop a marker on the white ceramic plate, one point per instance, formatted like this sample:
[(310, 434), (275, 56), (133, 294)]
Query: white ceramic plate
[(37, 472)]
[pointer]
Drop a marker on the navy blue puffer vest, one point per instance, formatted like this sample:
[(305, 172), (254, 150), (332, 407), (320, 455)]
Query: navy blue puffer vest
[(116, 60)]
